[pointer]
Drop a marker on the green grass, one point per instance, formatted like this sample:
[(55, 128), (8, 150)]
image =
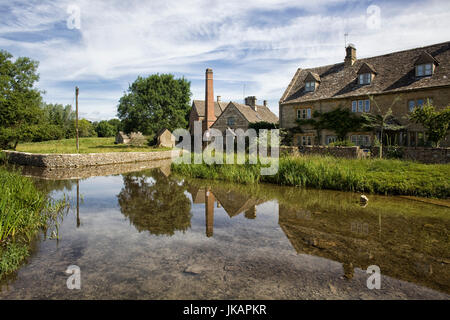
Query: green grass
[(389, 177), (24, 211), (87, 145)]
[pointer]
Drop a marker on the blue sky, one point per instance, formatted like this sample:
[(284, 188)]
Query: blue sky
[(253, 44)]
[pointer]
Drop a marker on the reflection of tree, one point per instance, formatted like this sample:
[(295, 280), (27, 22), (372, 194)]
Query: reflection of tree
[(154, 202)]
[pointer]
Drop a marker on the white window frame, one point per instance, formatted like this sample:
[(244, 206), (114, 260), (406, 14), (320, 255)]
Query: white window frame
[(365, 78), (330, 139), (310, 86)]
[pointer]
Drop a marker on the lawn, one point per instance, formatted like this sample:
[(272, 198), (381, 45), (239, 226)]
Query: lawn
[(87, 145), (389, 177)]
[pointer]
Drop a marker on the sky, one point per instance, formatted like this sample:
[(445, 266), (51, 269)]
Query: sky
[(254, 47)]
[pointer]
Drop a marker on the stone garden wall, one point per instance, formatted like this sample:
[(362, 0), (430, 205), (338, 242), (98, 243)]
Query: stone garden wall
[(420, 154), (83, 159)]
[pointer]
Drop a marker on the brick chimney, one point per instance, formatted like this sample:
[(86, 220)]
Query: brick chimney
[(210, 116), (251, 101), (350, 56)]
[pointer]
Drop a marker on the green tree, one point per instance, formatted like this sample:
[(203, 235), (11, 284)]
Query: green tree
[(155, 102), (105, 129), (20, 101), (436, 123), (117, 125), (381, 121), (61, 116), (85, 128)]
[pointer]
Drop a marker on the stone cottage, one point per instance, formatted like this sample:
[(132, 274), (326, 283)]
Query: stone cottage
[(165, 138), (232, 115), (413, 77)]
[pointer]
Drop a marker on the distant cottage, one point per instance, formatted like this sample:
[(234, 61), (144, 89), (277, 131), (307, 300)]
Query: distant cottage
[(122, 138), (165, 138), (227, 116), (134, 138)]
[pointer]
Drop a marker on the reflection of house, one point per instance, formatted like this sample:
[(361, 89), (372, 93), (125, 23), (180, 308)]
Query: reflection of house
[(220, 115), (413, 76), (232, 202), (334, 236)]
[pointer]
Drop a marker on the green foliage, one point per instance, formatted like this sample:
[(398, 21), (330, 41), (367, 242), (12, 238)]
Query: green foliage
[(105, 129), (85, 128), (340, 120), (392, 177), (19, 100), (155, 102), (60, 117), (341, 143), (436, 123), (23, 212)]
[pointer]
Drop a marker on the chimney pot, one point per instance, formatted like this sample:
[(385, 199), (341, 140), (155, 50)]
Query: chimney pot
[(251, 101), (219, 98), (265, 103), (350, 55)]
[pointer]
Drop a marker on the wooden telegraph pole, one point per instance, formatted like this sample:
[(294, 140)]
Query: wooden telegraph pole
[(76, 119)]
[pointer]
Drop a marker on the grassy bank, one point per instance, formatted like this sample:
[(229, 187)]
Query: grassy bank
[(390, 177), (24, 211), (87, 145)]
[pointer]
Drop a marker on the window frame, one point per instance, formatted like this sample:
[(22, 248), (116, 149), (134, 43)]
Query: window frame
[(304, 113), (365, 78), (233, 121), (310, 86), (424, 70)]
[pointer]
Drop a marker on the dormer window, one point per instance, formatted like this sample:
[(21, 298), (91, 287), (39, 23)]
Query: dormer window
[(310, 86), (365, 74), (365, 78), (425, 65), (424, 70), (311, 81)]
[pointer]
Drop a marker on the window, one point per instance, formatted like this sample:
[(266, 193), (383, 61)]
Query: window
[(361, 106), (365, 78), (366, 105), (418, 103), (310, 86), (307, 140), (361, 140), (230, 121), (424, 70), (330, 139), (304, 113)]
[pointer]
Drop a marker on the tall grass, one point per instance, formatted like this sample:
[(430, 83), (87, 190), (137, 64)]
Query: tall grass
[(393, 177), (23, 212)]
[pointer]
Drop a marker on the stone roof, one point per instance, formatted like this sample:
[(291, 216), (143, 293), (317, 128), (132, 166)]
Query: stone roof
[(395, 72), (262, 113), (199, 106)]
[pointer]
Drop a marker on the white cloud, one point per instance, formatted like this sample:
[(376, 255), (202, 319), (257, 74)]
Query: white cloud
[(119, 40)]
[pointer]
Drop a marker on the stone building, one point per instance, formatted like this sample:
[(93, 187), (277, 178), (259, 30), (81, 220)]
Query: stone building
[(232, 115), (410, 78), (122, 138), (165, 138)]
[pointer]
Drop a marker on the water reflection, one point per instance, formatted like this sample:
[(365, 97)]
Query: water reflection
[(257, 230), (155, 203)]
